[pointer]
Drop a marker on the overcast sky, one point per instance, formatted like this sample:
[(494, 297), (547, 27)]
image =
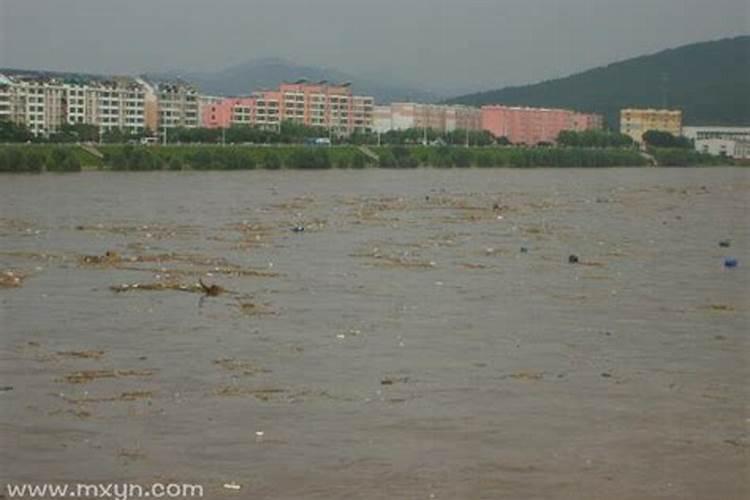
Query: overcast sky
[(435, 43)]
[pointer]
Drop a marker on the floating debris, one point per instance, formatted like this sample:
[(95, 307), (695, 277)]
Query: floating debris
[(731, 263), (82, 354), (77, 412), (469, 265), (110, 258), (721, 307), (236, 365), (11, 279), (211, 290), (573, 259), (265, 394), (84, 377), (124, 396), (394, 380), (158, 286), (534, 376), (254, 309), (725, 243), (404, 260), (131, 454)]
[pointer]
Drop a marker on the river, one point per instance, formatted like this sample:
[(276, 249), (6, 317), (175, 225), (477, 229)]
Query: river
[(424, 336)]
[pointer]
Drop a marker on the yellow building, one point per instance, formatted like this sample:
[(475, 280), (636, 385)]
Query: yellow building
[(636, 122)]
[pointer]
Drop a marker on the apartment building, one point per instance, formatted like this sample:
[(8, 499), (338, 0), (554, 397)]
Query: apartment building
[(636, 122), (441, 118), (531, 126), (37, 103), (331, 107), (45, 104), (5, 98), (177, 105)]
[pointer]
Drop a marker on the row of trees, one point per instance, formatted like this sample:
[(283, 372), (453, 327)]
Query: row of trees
[(415, 136), (131, 157), (218, 158), (294, 133), (594, 139), (288, 133), (659, 139), (20, 159), (11, 132)]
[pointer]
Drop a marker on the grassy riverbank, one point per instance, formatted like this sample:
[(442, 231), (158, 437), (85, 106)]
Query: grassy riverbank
[(72, 158)]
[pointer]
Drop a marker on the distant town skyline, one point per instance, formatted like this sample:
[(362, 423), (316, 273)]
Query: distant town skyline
[(444, 46)]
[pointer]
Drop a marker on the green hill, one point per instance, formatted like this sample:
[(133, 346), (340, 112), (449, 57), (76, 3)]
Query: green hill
[(709, 82)]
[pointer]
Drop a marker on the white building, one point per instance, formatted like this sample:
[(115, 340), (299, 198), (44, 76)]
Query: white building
[(442, 118), (178, 105), (699, 133), (732, 148), (732, 142), (44, 104), (38, 104), (5, 98)]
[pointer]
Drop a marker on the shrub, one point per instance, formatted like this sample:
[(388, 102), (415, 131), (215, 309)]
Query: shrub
[(174, 163), (271, 161), (63, 160), (403, 158), (308, 158)]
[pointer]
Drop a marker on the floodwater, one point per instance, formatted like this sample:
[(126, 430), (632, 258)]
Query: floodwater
[(423, 338)]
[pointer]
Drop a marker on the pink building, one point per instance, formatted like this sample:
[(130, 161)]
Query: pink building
[(522, 125), (228, 112), (332, 107)]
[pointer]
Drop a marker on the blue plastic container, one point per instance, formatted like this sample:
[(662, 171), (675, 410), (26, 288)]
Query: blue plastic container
[(731, 263)]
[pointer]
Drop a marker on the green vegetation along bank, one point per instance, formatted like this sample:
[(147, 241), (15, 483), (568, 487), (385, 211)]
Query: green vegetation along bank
[(71, 158)]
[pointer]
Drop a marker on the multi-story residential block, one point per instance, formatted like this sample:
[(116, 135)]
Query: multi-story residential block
[(226, 112), (40, 105), (45, 104), (177, 105), (636, 122), (268, 109), (116, 104), (441, 118), (331, 107), (525, 125), (6, 98)]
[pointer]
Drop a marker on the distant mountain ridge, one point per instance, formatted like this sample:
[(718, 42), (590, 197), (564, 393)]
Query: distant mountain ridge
[(709, 81), (268, 73)]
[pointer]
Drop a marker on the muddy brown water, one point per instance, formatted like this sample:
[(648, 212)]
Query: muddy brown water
[(402, 346)]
